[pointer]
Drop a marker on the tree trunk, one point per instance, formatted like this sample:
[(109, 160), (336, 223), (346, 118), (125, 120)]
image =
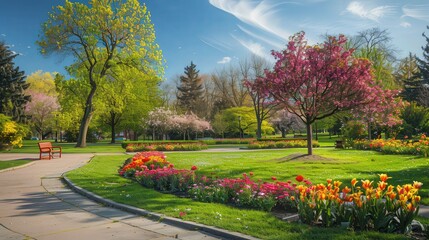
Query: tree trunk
[(259, 129), (309, 139), (317, 136), (87, 115), (112, 127), (369, 131), (283, 130)]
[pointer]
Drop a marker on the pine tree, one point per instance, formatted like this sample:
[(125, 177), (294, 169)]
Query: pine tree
[(191, 90), (12, 86), (407, 73), (422, 78)]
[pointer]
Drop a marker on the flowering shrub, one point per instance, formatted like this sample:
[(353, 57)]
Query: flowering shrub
[(151, 169), (280, 144), (380, 207), (393, 146), (166, 178), (136, 147), (244, 192), (11, 133), (142, 160)]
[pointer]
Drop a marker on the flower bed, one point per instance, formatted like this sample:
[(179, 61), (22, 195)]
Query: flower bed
[(393, 146), (165, 146), (382, 207), (280, 144), (361, 206), (229, 141)]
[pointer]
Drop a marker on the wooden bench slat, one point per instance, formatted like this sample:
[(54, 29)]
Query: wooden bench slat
[(46, 147)]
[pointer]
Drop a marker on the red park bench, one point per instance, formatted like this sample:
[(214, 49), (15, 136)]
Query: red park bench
[(46, 147)]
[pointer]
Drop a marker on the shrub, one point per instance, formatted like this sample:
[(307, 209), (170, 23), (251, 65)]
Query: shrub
[(167, 146), (393, 146), (11, 133), (280, 144)]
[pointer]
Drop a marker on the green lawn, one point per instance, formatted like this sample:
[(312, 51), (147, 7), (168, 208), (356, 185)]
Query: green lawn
[(100, 176), (12, 163), (30, 146)]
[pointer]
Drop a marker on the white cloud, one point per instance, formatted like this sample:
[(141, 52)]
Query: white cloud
[(218, 45), (276, 44), (225, 60), (255, 48), (3, 35), (420, 12), (28, 47), (405, 24), (260, 14), (374, 14)]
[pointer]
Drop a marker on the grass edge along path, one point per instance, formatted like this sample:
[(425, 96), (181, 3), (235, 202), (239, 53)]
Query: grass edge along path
[(7, 165), (100, 177)]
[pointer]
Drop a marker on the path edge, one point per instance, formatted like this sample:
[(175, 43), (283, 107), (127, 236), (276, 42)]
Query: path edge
[(156, 216)]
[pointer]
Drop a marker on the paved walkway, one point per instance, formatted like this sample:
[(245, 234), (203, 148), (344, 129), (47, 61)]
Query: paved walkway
[(34, 204)]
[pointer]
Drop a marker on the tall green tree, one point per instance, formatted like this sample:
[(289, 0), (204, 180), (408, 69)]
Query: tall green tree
[(99, 36), (406, 73), (191, 90), (422, 77), (12, 86)]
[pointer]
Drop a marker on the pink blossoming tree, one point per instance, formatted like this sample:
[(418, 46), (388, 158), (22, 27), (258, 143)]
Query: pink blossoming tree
[(41, 109), (314, 82)]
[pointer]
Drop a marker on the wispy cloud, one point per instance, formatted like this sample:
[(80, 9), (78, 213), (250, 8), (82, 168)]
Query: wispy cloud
[(420, 12), (3, 35), (254, 48), (374, 14), (225, 60), (260, 14), (405, 24), (273, 43), (216, 45)]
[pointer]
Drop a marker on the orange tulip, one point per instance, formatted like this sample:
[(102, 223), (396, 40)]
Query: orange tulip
[(384, 177), (346, 190), (354, 181), (366, 184), (417, 185)]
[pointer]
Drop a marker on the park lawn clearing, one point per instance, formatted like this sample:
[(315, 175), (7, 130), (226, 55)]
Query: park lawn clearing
[(30, 146), (13, 163), (100, 176)]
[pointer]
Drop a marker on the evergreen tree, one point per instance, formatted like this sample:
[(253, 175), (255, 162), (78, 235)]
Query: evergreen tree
[(191, 90), (422, 78), (407, 73), (12, 86)]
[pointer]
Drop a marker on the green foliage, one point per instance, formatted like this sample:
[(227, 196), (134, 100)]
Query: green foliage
[(415, 120), (291, 143), (240, 121), (105, 38), (12, 86), (353, 130), (191, 90), (11, 133)]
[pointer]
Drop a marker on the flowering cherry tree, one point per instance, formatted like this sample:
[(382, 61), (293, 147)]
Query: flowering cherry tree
[(163, 121), (41, 109), (314, 82), (384, 110)]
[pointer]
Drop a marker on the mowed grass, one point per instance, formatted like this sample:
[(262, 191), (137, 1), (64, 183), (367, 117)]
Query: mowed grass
[(12, 163), (30, 146), (100, 176)]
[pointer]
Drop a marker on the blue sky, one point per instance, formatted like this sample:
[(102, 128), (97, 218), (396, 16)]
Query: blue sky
[(212, 33)]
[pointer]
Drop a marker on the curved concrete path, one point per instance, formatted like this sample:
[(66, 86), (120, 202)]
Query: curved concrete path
[(35, 204)]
